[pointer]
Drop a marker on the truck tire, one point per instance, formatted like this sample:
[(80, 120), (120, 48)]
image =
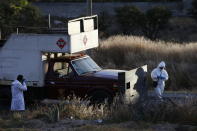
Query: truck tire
[(100, 96)]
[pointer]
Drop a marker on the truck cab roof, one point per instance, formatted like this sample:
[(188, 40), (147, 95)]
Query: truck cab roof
[(67, 58)]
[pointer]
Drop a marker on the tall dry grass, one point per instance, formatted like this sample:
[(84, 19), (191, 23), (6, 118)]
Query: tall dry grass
[(73, 108), (170, 110), (44, 117), (127, 52)]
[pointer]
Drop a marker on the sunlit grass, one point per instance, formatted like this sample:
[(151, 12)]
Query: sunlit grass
[(127, 52)]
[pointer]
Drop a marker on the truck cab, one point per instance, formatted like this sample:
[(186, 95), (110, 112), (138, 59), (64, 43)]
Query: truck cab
[(80, 75), (72, 72)]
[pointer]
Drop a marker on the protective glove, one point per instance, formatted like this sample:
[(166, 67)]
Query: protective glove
[(161, 77), (158, 77)]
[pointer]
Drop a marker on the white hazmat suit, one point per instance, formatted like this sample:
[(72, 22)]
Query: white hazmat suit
[(160, 75), (17, 89)]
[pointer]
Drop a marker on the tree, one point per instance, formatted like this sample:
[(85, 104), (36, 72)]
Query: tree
[(14, 13), (130, 19), (105, 21), (133, 21), (156, 20), (193, 10)]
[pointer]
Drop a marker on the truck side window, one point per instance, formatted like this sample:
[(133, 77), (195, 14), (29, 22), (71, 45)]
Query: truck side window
[(61, 69), (45, 66)]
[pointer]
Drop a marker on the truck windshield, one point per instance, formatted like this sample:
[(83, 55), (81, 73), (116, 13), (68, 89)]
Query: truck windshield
[(85, 65)]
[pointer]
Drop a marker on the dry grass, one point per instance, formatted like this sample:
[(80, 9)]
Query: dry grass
[(75, 108), (137, 117), (119, 112), (175, 111), (81, 109), (127, 52)]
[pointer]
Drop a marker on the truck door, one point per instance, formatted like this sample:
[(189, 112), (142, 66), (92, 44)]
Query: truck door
[(58, 80)]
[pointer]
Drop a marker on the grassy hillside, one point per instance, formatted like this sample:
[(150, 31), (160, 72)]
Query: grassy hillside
[(127, 52)]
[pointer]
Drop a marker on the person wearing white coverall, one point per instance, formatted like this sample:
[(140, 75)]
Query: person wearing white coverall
[(160, 75), (17, 88)]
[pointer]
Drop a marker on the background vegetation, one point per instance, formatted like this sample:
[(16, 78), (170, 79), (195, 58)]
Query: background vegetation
[(156, 24), (134, 21), (127, 52), (193, 10), (18, 13)]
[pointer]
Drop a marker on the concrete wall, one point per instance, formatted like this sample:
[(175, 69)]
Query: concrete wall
[(68, 10)]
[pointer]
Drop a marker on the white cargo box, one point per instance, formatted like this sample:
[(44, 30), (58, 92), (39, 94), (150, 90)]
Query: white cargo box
[(22, 53)]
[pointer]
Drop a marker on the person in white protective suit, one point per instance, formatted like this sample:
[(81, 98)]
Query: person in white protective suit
[(159, 76), (17, 88)]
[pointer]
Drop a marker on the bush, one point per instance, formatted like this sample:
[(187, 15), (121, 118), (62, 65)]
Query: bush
[(130, 19), (105, 21), (193, 10), (133, 21), (156, 20)]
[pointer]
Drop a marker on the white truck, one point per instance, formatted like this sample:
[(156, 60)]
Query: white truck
[(54, 67)]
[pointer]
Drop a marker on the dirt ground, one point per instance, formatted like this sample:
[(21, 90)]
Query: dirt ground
[(86, 125)]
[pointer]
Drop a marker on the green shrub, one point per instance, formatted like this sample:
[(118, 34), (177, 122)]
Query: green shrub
[(17, 13)]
